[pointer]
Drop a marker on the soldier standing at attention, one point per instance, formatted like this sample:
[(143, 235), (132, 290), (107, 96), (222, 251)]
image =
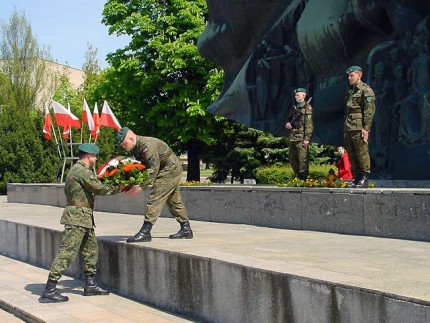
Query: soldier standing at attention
[(166, 170), (80, 188), (360, 109), (301, 125)]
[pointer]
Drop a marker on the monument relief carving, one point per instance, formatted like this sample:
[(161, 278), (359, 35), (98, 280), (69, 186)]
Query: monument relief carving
[(268, 48)]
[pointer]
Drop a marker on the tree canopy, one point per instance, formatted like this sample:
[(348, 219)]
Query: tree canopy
[(23, 75), (165, 84)]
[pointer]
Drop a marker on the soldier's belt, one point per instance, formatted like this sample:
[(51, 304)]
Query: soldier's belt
[(167, 160), (354, 112), (78, 203), (355, 116)]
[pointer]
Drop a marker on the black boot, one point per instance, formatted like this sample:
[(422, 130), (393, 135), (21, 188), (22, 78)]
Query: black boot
[(91, 287), (363, 182), (50, 293), (184, 233), (303, 176), (356, 180), (144, 234)]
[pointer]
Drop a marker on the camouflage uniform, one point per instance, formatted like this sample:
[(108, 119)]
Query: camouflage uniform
[(166, 170), (80, 188), (302, 123), (360, 108)]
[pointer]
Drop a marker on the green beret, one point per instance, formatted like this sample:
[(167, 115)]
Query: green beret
[(354, 68), (300, 89), (89, 148), (121, 135)]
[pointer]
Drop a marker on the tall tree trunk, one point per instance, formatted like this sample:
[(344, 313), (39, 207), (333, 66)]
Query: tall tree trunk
[(193, 171)]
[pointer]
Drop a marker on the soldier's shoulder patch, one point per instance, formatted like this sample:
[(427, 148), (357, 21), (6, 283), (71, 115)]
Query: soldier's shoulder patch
[(368, 90), (309, 116), (369, 99)]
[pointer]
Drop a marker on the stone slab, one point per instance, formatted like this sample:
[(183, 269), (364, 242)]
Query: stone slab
[(400, 213), (241, 273)]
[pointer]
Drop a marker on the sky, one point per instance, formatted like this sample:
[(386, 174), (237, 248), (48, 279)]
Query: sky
[(66, 27)]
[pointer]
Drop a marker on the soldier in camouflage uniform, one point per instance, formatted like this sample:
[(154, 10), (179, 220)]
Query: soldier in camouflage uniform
[(360, 109), (165, 170), (80, 188), (301, 125)]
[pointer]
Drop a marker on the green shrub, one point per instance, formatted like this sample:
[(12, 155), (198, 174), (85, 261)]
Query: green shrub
[(277, 175)]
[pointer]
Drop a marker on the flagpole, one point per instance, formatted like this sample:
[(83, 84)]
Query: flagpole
[(56, 140)]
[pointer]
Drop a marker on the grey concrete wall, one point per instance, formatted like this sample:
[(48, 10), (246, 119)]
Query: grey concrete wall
[(383, 212), (212, 290)]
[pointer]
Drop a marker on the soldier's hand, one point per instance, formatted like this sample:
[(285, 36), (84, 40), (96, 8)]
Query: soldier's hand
[(133, 190), (305, 143), (288, 126), (365, 135)]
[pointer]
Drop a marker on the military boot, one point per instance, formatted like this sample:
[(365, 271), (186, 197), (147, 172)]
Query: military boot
[(91, 287), (356, 180), (51, 294), (303, 176), (144, 234), (363, 182), (184, 233)]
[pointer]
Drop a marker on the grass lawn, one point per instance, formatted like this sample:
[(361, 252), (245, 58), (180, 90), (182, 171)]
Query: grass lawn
[(204, 173)]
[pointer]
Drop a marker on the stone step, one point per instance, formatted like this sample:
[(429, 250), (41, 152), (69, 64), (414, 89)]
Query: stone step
[(21, 285), (240, 273), (399, 213)]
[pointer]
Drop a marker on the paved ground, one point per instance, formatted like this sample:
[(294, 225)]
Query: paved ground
[(396, 267), (21, 285), (7, 317)]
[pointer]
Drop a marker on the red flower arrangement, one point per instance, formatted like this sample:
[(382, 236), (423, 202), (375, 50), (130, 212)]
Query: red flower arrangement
[(123, 171)]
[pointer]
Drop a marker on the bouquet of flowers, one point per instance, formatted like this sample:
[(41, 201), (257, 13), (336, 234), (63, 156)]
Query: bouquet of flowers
[(123, 171)]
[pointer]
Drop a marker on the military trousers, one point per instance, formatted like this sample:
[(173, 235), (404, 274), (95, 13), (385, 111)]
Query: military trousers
[(75, 239), (299, 158), (165, 190), (358, 152)]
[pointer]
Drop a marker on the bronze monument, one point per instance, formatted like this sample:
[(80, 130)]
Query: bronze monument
[(268, 48)]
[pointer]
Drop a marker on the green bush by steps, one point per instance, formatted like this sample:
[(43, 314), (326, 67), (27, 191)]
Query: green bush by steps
[(282, 174)]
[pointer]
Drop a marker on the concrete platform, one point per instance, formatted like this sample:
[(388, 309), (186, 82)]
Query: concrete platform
[(21, 285), (398, 213), (239, 273)]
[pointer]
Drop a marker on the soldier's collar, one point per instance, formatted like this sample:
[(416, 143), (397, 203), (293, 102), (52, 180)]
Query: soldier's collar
[(300, 104), (83, 164), (139, 147)]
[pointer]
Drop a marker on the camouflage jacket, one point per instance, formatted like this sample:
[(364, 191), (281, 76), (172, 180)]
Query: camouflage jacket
[(154, 153), (302, 122), (360, 107), (81, 187)]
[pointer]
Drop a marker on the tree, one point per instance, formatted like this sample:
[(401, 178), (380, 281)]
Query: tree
[(24, 157), (24, 63), (91, 67), (240, 150), (162, 77)]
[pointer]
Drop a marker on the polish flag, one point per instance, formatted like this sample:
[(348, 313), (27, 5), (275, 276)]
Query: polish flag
[(47, 125), (66, 129), (107, 118), (95, 133), (64, 117), (87, 117)]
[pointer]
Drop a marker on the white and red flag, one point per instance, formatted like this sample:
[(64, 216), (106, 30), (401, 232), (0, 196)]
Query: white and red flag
[(64, 117), (87, 117), (107, 118), (95, 133), (47, 125), (66, 132), (66, 129)]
